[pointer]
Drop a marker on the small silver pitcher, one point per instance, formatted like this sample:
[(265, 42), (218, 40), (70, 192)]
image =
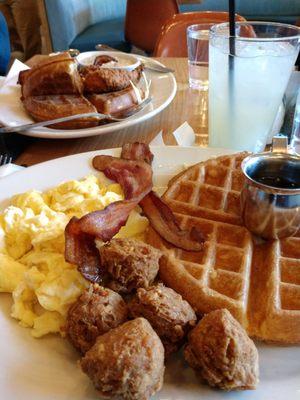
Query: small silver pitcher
[(270, 199)]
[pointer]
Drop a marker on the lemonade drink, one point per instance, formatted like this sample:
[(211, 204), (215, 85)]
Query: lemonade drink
[(244, 99)]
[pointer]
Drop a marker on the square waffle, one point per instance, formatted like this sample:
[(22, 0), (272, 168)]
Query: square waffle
[(209, 190), (259, 283)]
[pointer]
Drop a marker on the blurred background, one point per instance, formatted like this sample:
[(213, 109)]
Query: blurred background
[(43, 26)]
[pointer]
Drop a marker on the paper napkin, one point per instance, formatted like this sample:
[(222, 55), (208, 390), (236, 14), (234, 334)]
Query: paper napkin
[(184, 136), (158, 140), (17, 67)]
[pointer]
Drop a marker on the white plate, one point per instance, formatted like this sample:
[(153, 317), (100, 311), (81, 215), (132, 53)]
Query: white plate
[(162, 90), (46, 369)]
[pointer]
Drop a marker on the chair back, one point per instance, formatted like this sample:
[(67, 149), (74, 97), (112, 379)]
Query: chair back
[(144, 21), (172, 39), (68, 18), (5, 45), (286, 11)]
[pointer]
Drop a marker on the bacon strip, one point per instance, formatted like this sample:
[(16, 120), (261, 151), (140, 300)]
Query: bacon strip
[(158, 212), (80, 234), (135, 177), (137, 151), (163, 221), (104, 224), (81, 250)]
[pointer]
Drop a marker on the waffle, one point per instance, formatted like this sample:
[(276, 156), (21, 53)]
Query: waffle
[(258, 282)]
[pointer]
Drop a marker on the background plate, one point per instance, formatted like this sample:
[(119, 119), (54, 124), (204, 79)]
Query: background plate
[(46, 369), (163, 89)]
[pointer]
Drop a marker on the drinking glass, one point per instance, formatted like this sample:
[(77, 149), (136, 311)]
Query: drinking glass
[(248, 75), (295, 142), (197, 42)]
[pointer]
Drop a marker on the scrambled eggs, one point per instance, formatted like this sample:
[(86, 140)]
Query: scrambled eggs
[(32, 264)]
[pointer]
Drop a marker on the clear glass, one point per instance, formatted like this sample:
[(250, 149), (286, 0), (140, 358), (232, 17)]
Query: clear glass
[(295, 142), (248, 76), (197, 42)]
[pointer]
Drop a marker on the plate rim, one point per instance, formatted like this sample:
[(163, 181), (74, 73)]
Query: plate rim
[(115, 150)]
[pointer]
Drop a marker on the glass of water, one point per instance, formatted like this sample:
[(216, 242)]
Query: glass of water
[(295, 143), (197, 42)]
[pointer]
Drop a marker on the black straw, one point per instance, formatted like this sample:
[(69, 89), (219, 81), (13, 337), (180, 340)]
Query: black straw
[(231, 33), (231, 60), (232, 17)]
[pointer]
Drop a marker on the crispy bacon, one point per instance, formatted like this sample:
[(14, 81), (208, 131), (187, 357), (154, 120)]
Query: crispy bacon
[(158, 212), (104, 224), (80, 235), (135, 177), (137, 151), (81, 250), (163, 221)]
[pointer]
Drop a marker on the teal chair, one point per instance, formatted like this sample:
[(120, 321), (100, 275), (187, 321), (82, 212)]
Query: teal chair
[(4, 46), (287, 11), (82, 24)]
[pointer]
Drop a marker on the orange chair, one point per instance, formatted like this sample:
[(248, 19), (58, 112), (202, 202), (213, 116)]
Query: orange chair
[(172, 39), (145, 19)]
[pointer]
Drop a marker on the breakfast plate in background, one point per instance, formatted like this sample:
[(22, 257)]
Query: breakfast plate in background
[(46, 368), (162, 90)]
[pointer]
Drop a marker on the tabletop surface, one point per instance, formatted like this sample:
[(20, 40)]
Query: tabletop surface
[(188, 105)]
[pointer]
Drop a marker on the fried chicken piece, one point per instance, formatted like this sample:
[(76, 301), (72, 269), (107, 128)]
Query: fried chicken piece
[(220, 350), (130, 263), (52, 76), (103, 80), (96, 311), (127, 362), (170, 316)]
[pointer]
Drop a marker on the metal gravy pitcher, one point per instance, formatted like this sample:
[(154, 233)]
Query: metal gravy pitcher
[(270, 199)]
